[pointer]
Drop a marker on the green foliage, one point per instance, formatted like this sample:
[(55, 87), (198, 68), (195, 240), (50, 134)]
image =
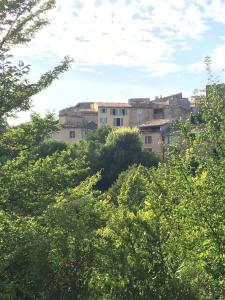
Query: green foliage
[(27, 136), (49, 147), (157, 233), (19, 21), (99, 135), (72, 222), (165, 237), (49, 257), (16, 90), (29, 185), (138, 264), (112, 151), (122, 149), (114, 191)]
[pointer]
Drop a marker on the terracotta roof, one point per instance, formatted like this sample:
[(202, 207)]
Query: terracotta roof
[(113, 104), (155, 122)]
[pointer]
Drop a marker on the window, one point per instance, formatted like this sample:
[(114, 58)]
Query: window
[(103, 120), (123, 111), (139, 116), (103, 110), (72, 134), (114, 111), (148, 139), (169, 139), (117, 121), (159, 113)]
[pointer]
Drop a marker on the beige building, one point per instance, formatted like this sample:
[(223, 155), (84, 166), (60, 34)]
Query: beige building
[(113, 114), (152, 117), (141, 110), (69, 134), (154, 135), (76, 121)]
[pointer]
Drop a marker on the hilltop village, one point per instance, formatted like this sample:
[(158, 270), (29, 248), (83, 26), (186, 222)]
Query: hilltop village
[(153, 118)]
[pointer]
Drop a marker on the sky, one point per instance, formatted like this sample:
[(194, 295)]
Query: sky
[(124, 49)]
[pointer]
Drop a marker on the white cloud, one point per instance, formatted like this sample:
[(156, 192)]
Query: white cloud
[(162, 68), (197, 67), (215, 9), (218, 57), (131, 33)]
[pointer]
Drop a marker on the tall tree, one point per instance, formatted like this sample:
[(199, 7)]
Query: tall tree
[(122, 149), (19, 22)]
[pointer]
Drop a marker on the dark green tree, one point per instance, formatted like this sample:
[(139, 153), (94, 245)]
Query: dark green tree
[(49, 147), (99, 135), (122, 149)]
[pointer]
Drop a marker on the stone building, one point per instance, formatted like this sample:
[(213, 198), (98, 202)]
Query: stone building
[(140, 111), (151, 117), (155, 134), (171, 107), (76, 121)]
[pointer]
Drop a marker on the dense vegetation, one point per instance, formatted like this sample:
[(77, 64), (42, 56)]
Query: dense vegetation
[(100, 219)]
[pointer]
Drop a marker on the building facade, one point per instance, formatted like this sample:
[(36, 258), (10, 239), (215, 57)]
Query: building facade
[(76, 121), (151, 117), (141, 110), (155, 134), (113, 114)]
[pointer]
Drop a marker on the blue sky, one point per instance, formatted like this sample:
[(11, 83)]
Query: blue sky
[(126, 48)]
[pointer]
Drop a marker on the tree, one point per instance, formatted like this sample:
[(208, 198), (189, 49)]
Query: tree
[(28, 136), (50, 256), (112, 151), (49, 147), (19, 21), (122, 149), (165, 237), (135, 263), (99, 135)]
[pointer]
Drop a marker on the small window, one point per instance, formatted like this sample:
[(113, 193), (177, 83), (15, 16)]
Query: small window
[(72, 134), (117, 121), (114, 111), (159, 113), (103, 110), (123, 111), (148, 139), (103, 120)]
